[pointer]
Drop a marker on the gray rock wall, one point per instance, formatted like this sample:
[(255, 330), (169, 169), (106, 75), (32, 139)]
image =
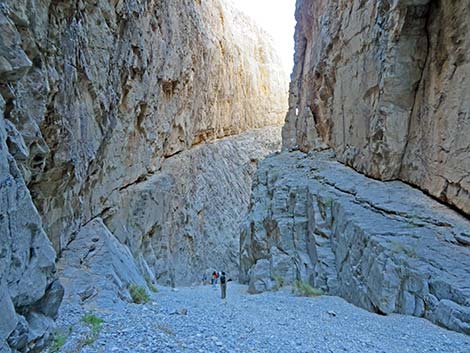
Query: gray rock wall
[(96, 98), (100, 93), (185, 220), (385, 83), (29, 292), (384, 246)]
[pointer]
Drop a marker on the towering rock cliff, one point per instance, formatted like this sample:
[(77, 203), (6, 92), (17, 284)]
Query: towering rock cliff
[(385, 83), (382, 87), (97, 98)]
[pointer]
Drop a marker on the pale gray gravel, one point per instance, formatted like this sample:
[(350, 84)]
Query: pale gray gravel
[(268, 322)]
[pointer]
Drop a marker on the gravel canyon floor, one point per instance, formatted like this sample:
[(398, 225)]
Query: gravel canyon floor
[(268, 322)]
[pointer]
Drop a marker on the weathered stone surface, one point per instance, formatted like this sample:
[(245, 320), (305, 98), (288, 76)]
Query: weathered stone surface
[(27, 267), (437, 157), (186, 217), (116, 87), (96, 97), (97, 269), (386, 85), (386, 247)]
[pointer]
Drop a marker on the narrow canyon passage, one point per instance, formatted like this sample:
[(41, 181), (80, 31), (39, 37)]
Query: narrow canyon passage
[(192, 319), (147, 144)]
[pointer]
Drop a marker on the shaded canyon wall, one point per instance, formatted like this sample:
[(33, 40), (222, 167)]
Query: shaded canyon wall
[(378, 120)]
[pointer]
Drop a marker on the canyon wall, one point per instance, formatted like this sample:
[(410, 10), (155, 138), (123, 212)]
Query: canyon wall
[(384, 246), (96, 98), (385, 83), (380, 89)]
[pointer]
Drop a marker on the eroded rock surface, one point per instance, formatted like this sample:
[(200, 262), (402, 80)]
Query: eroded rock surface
[(96, 97), (97, 270), (186, 218), (29, 292), (386, 84), (112, 89), (386, 247)]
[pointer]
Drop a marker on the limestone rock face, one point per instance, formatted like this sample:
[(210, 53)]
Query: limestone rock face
[(386, 84), (101, 93), (186, 218), (96, 98), (29, 293), (386, 247), (96, 269)]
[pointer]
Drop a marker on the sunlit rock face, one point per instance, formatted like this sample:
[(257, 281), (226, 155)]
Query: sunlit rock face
[(185, 220), (113, 89), (386, 85), (96, 97)]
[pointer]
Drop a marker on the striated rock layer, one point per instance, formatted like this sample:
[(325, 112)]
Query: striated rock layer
[(112, 89), (387, 85), (185, 219), (384, 246), (96, 97)]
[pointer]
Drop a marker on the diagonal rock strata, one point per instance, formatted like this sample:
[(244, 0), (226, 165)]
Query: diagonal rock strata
[(386, 247)]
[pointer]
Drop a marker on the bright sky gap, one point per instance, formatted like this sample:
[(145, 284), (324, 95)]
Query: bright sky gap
[(277, 18)]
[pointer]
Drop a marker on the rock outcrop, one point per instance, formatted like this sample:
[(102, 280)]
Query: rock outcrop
[(186, 218), (112, 90), (96, 98), (29, 292), (382, 87), (384, 246), (386, 84), (97, 270)]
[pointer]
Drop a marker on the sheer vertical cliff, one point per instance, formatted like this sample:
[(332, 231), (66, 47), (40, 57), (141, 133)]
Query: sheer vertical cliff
[(385, 83), (382, 87), (96, 98)]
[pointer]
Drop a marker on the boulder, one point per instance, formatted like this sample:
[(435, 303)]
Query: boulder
[(96, 269)]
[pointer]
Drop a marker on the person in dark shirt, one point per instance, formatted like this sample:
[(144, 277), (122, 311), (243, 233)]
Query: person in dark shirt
[(223, 285)]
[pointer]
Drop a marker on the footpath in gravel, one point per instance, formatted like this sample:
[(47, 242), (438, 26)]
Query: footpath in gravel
[(196, 320)]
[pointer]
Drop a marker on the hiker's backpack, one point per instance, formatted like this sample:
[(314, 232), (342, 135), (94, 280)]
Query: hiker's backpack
[(222, 279)]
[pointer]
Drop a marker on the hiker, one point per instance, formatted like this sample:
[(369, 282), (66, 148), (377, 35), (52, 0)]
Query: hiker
[(215, 275), (223, 285)]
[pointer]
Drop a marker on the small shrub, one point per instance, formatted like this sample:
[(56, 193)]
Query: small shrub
[(93, 320), (139, 294), (95, 324), (58, 341), (304, 289), (328, 201), (279, 281)]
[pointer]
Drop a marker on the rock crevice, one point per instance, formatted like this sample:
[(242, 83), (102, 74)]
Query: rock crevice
[(100, 101)]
